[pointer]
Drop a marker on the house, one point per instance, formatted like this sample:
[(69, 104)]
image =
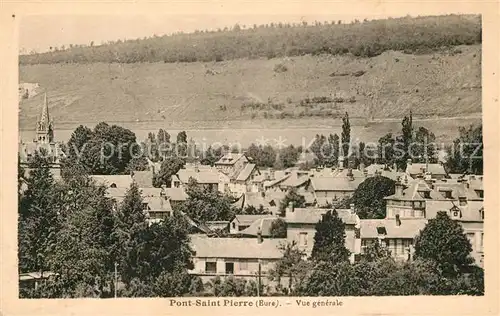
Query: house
[(32, 280), (176, 196), (395, 234), (113, 181), (241, 222), (231, 163), (240, 257), (206, 178), (301, 227), (470, 215), (243, 182), (143, 179), (436, 170), (262, 226), (295, 179), (328, 189)]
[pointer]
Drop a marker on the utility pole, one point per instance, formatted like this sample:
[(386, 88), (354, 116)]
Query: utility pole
[(116, 278), (259, 280)]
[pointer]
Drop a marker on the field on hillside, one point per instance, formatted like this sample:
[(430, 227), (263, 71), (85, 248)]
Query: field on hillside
[(386, 86)]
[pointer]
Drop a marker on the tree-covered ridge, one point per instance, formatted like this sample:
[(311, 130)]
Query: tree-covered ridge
[(366, 39)]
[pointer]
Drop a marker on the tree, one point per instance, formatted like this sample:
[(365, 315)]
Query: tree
[(232, 286), (104, 150), (169, 167), (182, 142), (334, 141), (292, 197), (329, 279), (346, 137), (278, 228), (329, 240), (376, 252), (386, 154), (289, 156), (444, 242), (369, 197), (84, 253), (466, 154), (204, 204), (289, 266), (423, 149), (38, 222), (405, 141)]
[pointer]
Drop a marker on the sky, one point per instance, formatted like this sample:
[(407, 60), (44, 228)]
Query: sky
[(39, 33)]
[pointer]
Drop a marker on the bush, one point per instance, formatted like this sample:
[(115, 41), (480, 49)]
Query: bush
[(280, 68)]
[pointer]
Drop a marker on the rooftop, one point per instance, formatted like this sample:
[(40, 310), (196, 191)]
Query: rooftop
[(202, 176), (409, 228), (118, 181), (246, 172), (314, 215), (206, 247)]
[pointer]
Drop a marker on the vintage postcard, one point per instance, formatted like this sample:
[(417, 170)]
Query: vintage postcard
[(220, 157)]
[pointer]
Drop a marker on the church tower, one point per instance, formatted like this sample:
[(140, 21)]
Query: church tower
[(45, 127)]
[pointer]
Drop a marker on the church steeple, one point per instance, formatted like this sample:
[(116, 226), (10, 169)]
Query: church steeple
[(45, 127)]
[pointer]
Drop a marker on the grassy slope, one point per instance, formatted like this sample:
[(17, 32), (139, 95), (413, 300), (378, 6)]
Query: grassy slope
[(436, 84)]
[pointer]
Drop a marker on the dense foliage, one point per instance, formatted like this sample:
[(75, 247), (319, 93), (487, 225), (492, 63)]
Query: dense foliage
[(369, 196), (366, 39), (329, 240)]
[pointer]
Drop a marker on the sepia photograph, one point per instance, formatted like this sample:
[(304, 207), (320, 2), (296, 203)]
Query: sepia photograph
[(202, 157)]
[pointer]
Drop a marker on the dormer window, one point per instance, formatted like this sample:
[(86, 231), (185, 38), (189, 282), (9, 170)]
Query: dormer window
[(462, 200), (145, 206), (456, 213), (481, 213), (113, 185), (480, 193), (381, 230)]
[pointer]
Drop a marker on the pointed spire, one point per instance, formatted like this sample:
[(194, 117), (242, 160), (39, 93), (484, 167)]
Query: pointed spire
[(44, 118)]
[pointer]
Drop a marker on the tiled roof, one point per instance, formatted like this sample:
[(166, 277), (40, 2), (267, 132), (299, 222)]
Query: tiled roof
[(176, 194), (277, 181), (246, 172), (295, 180), (206, 247), (313, 215), (248, 219), (229, 159), (201, 176), (415, 192), (433, 168), (144, 179), (335, 183), (157, 204), (121, 181), (263, 223), (470, 212), (371, 169), (409, 228)]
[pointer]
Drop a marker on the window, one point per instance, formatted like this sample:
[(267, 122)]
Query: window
[(244, 265), (480, 193), (145, 206), (303, 239), (210, 267), (234, 225), (229, 267)]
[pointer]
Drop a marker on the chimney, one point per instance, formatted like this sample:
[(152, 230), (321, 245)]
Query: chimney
[(291, 207), (398, 220), (408, 161), (352, 208), (341, 163), (394, 167), (399, 188), (362, 167), (365, 172), (259, 235), (349, 174)]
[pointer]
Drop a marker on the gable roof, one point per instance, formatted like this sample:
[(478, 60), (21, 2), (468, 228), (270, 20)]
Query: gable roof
[(203, 176), (121, 181), (335, 183), (229, 159), (245, 219), (157, 204), (144, 179), (433, 168), (263, 223), (409, 228), (470, 212), (314, 215), (246, 172), (206, 247), (415, 192), (176, 194)]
